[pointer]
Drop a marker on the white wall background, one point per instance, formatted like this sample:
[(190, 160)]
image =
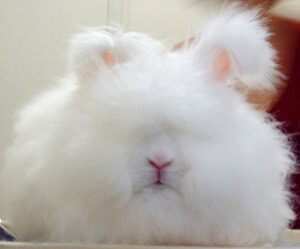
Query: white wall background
[(169, 20)]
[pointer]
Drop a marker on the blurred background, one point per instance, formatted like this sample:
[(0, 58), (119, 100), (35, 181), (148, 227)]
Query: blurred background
[(34, 38)]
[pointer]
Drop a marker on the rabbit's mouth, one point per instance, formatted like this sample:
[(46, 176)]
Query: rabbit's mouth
[(158, 182), (161, 181), (166, 179), (159, 177), (158, 186)]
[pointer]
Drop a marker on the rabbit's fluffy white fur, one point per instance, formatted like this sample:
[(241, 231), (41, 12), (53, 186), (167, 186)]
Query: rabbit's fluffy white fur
[(78, 168)]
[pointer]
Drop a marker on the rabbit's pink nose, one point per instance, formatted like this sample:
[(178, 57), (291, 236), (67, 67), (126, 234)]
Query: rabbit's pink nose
[(159, 162)]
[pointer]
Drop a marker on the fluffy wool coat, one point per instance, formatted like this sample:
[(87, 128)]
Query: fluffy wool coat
[(79, 168)]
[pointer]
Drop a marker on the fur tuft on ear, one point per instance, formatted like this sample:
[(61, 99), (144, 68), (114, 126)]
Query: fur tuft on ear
[(234, 48), (88, 51), (95, 49)]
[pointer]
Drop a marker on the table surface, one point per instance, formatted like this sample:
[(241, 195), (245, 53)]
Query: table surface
[(291, 239)]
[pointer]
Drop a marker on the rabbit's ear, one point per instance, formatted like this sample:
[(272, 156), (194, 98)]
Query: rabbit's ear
[(93, 51), (221, 65), (234, 48)]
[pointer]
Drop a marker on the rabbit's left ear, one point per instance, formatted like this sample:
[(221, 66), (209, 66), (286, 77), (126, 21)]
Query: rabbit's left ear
[(234, 48), (94, 51)]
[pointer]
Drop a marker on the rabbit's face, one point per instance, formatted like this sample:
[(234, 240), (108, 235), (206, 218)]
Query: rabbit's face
[(161, 121), (156, 123)]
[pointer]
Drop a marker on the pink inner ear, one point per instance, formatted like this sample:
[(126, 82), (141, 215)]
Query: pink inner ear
[(221, 65), (108, 59)]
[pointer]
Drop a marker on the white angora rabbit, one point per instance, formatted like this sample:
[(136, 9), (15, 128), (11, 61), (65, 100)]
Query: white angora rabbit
[(141, 145)]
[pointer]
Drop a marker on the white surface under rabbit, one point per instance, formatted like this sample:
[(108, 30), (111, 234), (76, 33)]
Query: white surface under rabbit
[(144, 146)]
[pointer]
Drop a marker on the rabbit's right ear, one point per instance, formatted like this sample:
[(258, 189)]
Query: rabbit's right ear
[(234, 49), (94, 51)]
